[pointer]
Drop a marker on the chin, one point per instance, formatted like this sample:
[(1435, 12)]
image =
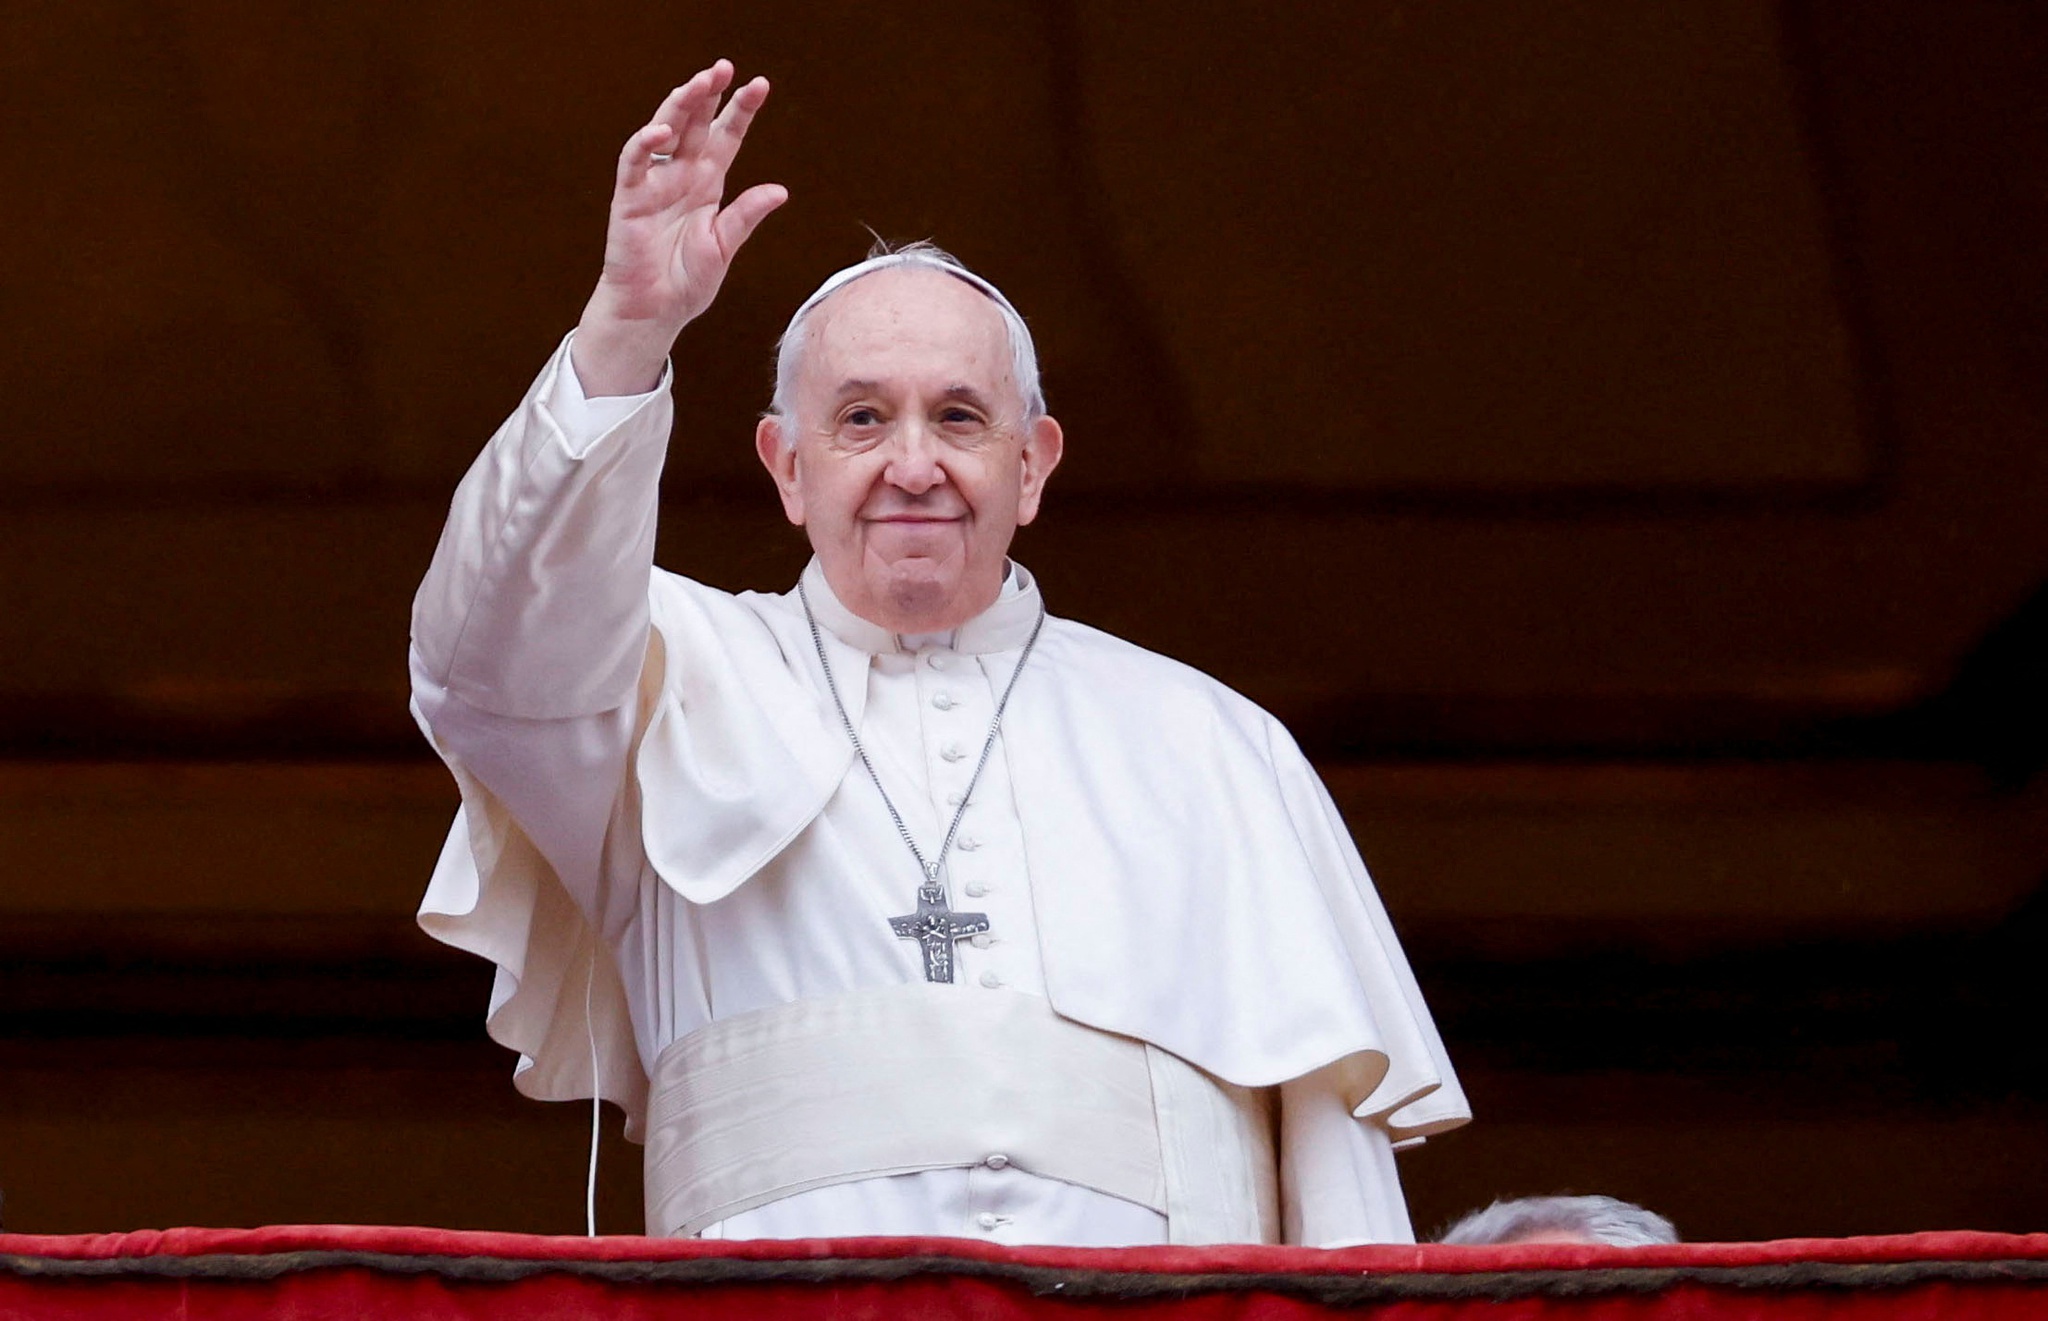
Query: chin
[(926, 601)]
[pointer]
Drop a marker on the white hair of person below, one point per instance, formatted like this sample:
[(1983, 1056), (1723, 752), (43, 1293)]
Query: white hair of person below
[(921, 255), (1606, 1220)]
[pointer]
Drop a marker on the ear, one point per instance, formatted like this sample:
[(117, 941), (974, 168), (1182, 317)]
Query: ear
[(1043, 447), (777, 448)]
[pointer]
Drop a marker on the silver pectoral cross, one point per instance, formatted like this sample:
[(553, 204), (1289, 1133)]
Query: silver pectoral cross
[(935, 926)]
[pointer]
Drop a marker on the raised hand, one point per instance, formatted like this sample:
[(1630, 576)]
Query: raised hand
[(671, 241)]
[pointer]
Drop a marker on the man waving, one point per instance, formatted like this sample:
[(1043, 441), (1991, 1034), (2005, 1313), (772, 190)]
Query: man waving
[(890, 904)]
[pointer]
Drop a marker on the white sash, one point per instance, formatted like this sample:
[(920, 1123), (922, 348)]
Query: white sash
[(898, 1079)]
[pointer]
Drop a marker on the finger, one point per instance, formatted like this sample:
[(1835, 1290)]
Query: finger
[(712, 79), (743, 105), (701, 105), (640, 150), (677, 102), (730, 128), (690, 98), (735, 224)]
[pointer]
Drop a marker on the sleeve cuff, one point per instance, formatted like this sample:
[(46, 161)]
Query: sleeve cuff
[(583, 419)]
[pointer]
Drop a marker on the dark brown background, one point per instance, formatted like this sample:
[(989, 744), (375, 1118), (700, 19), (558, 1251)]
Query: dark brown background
[(1612, 436)]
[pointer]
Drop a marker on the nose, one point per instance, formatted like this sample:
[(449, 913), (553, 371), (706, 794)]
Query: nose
[(914, 458)]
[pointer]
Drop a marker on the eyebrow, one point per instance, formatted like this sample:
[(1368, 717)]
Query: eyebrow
[(967, 394)]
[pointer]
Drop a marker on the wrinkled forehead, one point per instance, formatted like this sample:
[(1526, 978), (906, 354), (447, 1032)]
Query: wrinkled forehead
[(906, 316)]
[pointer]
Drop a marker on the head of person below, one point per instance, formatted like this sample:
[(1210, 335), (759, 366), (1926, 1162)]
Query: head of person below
[(1583, 1220), (909, 438), (1176, 1011)]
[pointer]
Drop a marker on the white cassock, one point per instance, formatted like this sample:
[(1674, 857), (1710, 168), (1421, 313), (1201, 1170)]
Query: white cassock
[(1185, 951)]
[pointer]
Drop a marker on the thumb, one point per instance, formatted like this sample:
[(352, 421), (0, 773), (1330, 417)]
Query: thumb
[(737, 221)]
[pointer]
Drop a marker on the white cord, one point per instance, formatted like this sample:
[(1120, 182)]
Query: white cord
[(596, 1111)]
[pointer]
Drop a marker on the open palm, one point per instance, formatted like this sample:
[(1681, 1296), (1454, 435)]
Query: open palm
[(672, 236)]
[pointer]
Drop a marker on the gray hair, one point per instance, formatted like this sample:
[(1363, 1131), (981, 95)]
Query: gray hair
[(1600, 1219), (922, 256)]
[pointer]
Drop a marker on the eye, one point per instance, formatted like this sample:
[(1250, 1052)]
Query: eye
[(861, 417), (961, 417)]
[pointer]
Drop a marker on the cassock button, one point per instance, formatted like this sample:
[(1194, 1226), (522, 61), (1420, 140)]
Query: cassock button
[(953, 800), (997, 1161), (952, 752), (944, 701), (976, 889), (937, 660), (988, 1220), (991, 981), (982, 941), (967, 844)]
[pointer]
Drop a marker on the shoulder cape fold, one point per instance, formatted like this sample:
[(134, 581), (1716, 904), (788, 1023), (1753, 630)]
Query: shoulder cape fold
[(1163, 815)]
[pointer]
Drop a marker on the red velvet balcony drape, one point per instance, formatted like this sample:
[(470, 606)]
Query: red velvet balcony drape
[(311, 1272)]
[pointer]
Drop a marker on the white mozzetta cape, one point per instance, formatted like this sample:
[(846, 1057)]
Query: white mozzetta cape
[(1192, 883)]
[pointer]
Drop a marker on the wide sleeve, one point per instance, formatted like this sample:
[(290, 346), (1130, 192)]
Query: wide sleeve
[(532, 670), (535, 604)]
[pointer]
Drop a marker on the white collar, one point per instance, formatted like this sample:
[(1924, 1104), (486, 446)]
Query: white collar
[(1004, 626)]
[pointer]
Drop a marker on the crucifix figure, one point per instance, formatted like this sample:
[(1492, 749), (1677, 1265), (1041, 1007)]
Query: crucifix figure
[(935, 927)]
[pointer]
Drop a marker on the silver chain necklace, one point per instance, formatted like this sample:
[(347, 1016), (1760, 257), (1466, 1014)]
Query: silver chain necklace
[(935, 926)]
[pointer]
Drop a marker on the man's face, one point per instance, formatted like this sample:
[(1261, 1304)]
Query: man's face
[(908, 460)]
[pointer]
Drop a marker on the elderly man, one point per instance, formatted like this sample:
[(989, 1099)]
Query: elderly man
[(891, 904)]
